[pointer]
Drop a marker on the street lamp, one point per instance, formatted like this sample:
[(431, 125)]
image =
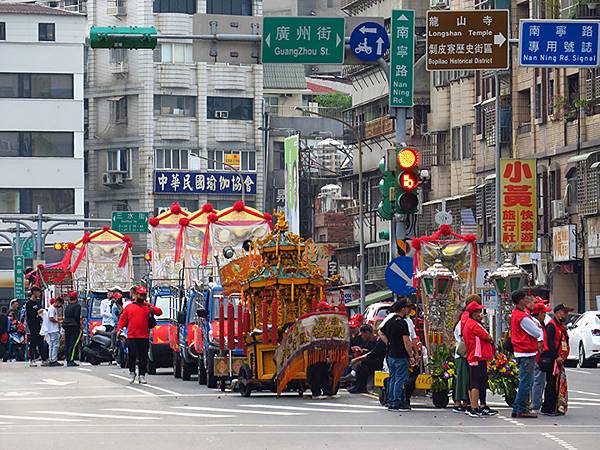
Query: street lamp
[(361, 236)]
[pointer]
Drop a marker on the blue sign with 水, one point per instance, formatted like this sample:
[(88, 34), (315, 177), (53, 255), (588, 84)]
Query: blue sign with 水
[(399, 276), (183, 182), (369, 41), (558, 43)]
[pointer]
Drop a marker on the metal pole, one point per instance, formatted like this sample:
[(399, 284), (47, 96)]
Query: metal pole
[(361, 222), (498, 237), (18, 240), (39, 234), (400, 137)]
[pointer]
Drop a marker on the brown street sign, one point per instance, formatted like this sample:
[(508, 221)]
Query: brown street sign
[(467, 40)]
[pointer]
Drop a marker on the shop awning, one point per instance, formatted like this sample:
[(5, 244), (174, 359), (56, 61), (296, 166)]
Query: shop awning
[(375, 297)]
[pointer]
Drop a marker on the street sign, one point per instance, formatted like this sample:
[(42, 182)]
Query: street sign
[(19, 273), (402, 58), (490, 300), (130, 222), (369, 41), (303, 40), (559, 43), (399, 274), (26, 247), (467, 40)]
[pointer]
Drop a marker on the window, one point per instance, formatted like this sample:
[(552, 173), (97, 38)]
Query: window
[(247, 159), (550, 92), (538, 100), (174, 54), (25, 201), (119, 161), (46, 32), (230, 108), (36, 85), (467, 141), (172, 158), (455, 143), (178, 105), (118, 55), (119, 109), (36, 144), (234, 7), (2, 31), (175, 6)]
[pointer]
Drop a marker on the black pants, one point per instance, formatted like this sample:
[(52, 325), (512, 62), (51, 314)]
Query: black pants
[(137, 349), (4, 351), (72, 338), (363, 371), (319, 379), (36, 346), (550, 393)]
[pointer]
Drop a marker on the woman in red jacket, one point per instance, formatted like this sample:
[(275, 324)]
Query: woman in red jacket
[(135, 318), (480, 350)]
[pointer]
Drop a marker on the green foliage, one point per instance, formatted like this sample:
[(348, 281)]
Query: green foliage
[(503, 375), (334, 100), (441, 366)]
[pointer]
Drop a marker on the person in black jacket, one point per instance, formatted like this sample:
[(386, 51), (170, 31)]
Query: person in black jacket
[(370, 361), (72, 326), (34, 325), (4, 329)]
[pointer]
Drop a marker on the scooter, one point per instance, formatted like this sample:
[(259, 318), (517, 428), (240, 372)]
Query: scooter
[(98, 349)]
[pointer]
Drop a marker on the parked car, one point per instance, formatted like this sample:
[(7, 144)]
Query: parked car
[(584, 339)]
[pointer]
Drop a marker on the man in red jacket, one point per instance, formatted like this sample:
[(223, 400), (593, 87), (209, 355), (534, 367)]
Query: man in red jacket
[(135, 318), (527, 339), (480, 350)]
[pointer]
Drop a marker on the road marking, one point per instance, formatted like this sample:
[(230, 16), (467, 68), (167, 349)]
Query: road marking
[(239, 411), (559, 441), (18, 394), (585, 399), (345, 405), (511, 420), (142, 391), (167, 413), (585, 393), (99, 416), (162, 389), (53, 382), (579, 371), (49, 419), (300, 408), (84, 369), (120, 377)]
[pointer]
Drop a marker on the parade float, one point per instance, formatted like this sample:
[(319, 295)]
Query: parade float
[(287, 327)]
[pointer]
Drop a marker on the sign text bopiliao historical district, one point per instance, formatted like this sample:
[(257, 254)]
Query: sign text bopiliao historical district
[(467, 40)]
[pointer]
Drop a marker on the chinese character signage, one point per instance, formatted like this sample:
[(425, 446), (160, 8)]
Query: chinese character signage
[(518, 205), (558, 43), (183, 182), (130, 222), (564, 243), (292, 187), (593, 237), (402, 58), (19, 273)]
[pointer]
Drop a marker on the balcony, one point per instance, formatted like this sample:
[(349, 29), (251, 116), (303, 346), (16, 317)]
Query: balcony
[(590, 10), (116, 8), (376, 273)]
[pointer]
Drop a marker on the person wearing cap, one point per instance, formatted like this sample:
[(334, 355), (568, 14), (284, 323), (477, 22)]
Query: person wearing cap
[(105, 310), (72, 326), (136, 317), (556, 351), (369, 360), (34, 325), (480, 350), (527, 339), (538, 315), (400, 355)]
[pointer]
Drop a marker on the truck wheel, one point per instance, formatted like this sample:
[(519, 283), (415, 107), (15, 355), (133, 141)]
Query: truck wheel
[(186, 370), (211, 379), (176, 366), (244, 381), (201, 371)]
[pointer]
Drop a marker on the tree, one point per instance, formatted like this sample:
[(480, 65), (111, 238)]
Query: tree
[(334, 100)]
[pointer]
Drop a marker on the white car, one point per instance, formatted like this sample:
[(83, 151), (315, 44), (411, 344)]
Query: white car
[(584, 339)]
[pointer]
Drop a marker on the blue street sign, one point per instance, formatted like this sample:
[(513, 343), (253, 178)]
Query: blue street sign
[(558, 43), (184, 182), (399, 275), (369, 41)]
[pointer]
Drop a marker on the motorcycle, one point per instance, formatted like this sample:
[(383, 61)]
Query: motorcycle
[(98, 349)]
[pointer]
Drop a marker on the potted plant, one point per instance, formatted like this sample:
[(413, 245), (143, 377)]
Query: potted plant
[(441, 366), (503, 377)]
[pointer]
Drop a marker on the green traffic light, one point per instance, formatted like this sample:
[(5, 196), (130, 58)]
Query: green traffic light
[(123, 37), (385, 210)]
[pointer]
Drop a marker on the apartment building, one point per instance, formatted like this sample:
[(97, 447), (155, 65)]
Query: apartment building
[(160, 124), (41, 110)]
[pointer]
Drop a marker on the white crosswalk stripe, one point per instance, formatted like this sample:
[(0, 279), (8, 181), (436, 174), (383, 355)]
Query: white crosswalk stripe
[(167, 413), (47, 419), (93, 415), (301, 408), (240, 411)]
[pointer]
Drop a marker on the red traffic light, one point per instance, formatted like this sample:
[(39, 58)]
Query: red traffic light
[(408, 180), (407, 158)]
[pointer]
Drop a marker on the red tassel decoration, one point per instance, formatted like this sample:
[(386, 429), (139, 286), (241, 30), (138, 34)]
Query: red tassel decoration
[(230, 326), (274, 321), (265, 317), (247, 321), (221, 325), (240, 328), (314, 300)]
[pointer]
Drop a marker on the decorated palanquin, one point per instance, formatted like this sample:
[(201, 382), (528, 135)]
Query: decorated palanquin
[(100, 260), (289, 326)]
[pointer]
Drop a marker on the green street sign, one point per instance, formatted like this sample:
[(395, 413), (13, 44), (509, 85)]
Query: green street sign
[(303, 40), (26, 247), (402, 60), (130, 222), (19, 271), (123, 37)]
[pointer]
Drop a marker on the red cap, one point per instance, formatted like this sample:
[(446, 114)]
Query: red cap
[(540, 307), (473, 306), (117, 295), (141, 290), (358, 317), (72, 294), (539, 299), (354, 323)]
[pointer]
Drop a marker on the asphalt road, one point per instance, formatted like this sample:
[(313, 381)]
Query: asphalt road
[(95, 407)]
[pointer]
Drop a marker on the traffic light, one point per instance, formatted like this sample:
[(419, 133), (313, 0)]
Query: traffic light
[(407, 201), (123, 37), (387, 187)]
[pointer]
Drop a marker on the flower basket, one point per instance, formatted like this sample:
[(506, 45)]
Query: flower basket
[(503, 376), (441, 367)]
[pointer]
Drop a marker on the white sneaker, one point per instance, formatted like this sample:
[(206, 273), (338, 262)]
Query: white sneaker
[(131, 377), (32, 363), (143, 379)]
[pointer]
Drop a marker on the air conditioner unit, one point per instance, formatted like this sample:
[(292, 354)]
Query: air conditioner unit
[(558, 210), (112, 179), (221, 114), (116, 10)]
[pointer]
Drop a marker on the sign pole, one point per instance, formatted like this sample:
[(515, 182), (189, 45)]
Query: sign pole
[(498, 328)]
